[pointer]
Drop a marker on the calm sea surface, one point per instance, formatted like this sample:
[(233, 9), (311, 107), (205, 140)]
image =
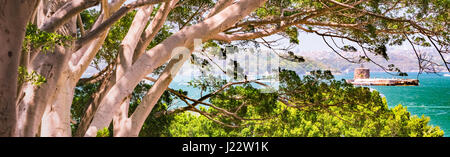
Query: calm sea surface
[(431, 98)]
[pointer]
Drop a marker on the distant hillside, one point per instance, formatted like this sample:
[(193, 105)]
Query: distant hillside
[(403, 59), (307, 66)]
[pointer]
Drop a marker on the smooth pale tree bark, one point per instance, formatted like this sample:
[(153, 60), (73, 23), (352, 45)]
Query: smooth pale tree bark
[(32, 106), (53, 66), (220, 5), (151, 98), (34, 99), (94, 34), (153, 28), (80, 68), (56, 118), (126, 49), (162, 53), (65, 13), (14, 16)]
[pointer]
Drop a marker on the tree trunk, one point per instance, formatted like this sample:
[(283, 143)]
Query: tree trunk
[(31, 108), (14, 16), (52, 66), (56, 118), (151, 98)]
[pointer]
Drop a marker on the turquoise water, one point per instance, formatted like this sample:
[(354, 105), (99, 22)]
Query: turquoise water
[(431, 98)]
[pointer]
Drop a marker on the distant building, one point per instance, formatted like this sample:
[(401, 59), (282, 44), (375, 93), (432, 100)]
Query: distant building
[(361, 76), (361, 73)]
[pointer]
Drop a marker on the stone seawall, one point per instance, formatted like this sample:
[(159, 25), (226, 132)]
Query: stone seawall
[(384, 82)]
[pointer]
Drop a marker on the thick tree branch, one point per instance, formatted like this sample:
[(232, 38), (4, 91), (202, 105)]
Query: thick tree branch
[(220, 5), (419, 59), (81, 25), (14, 16), (201, 99), (96, 77), (440, 53), (124, 61), (154, 93), (414, 24), (153, 29), (109, 22), (66, 12)]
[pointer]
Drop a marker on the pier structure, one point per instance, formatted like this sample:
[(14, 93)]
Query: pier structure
[(361, 77)]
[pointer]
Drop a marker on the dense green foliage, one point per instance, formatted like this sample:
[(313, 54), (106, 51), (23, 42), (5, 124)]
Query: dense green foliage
[(395, 122), (103, 133), (36, 39), (341, 111), (33, 77)]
